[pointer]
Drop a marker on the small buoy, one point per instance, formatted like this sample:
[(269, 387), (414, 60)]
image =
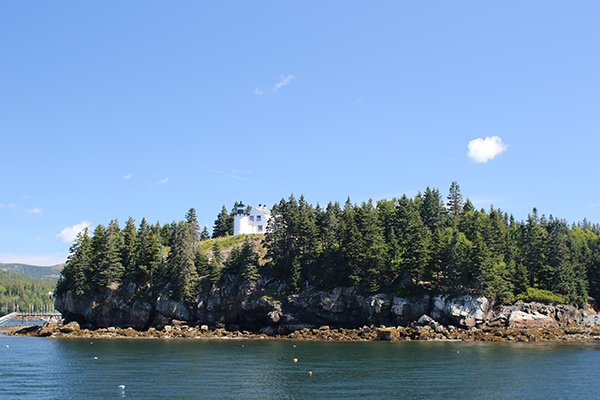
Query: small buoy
[(294, 346), (309, 373), (7, 346), (457, 351), (121, 387), (91, 342), (242, 345), (95, 358), (295, 360)]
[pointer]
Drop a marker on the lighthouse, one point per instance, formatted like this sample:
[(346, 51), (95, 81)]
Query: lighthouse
[(249, 220)]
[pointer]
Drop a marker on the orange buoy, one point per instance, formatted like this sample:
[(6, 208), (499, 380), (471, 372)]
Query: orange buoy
[(309, 373), (295, 360)]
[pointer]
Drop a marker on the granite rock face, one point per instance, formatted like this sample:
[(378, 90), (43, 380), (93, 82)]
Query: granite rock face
[(247, 307)]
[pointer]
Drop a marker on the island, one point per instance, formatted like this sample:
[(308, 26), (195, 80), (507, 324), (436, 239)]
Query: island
[(399, 269)]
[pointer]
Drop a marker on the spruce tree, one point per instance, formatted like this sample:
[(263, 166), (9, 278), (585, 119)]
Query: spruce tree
[(204, 235), (413, 239), (181, 260), (129, 250), (74, 275), (107, 248), (455, 200), (192, 220), (432, 209), (223, 225)]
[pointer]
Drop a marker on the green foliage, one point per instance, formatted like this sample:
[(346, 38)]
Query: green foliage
[(540, 296), (24, 293), (243, 261), (223, 225), (390, 245)]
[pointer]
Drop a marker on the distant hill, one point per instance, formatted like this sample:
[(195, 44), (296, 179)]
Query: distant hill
[(52, 272)]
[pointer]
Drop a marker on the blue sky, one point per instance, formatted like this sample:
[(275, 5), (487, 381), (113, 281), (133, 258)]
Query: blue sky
[(111, 109)]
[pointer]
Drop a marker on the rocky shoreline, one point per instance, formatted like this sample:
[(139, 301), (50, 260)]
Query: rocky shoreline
[(262, 310), (432, 331)]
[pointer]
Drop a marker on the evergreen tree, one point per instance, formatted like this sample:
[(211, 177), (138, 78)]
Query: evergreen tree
[(76, 270), (202, 264), (223, 224), (440, 255), (468, 206), (413, 239), (282, 237), (181, 263), (533, 250), (306, 235), (456, 274), (432, 209), (148, 255), (204, 235), (372, 251), (128, 255), (214, 266), (455, 200), (107, 248), (593, 272), (192, 220), (166, 234)]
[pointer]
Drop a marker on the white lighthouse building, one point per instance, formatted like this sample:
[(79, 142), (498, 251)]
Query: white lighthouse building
[(252, 221)]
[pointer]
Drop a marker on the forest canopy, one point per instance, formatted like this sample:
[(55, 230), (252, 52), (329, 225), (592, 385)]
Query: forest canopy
[(20, 292), (423, 243)]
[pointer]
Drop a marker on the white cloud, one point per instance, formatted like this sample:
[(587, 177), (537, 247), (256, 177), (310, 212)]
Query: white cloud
[(127, 177), (39, 260), (12, 206), (284, 81), (68, 234), (35, 210), (161, 182), (484, 150)]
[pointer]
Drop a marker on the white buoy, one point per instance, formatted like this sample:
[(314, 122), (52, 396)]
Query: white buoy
[(122, 387)]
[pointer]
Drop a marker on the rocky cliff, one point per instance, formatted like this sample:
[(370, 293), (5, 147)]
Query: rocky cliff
[(247, 307)]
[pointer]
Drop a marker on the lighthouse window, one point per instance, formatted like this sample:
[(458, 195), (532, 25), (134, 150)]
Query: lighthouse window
[(260, 228), (258, 217), (252, 218)]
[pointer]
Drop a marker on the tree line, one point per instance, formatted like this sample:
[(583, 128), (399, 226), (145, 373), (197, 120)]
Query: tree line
[(441, 244), (155, 258), (406, 244), (20, 292)]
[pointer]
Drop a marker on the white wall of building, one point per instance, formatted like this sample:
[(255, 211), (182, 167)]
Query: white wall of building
[(253, 222)]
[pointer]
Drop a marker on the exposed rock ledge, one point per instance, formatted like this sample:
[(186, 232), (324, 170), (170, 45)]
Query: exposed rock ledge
[(431, 331), (240, 307)]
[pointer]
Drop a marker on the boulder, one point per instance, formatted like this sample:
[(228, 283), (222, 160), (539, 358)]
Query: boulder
[(520, 319), (425, 320), (467, 311), (70, 327)]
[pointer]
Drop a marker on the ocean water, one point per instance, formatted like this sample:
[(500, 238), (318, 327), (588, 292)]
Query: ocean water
[(45, 368)]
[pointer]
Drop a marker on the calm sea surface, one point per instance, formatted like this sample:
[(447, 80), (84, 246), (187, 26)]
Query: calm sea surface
[(42, 368)]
